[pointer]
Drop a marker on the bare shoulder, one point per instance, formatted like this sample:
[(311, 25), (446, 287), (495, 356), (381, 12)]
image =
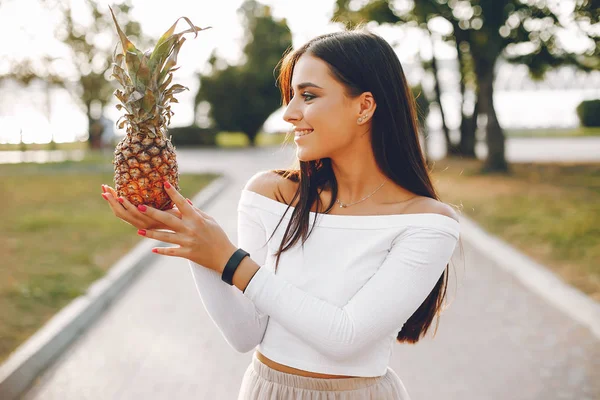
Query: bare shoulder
[(431, 206), (272, 185)]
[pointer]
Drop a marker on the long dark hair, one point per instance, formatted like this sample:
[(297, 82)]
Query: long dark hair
[(364, 62)]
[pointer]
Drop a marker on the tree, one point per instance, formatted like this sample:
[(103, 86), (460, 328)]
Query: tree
[(485, 31), (91, 60), (242, 97), (496, 29)]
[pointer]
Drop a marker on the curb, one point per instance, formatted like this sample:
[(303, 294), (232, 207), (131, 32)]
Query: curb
[(536, 277), (32, 357)]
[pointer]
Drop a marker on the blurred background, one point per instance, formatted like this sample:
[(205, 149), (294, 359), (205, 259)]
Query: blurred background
[(541, 57), (508, 95)]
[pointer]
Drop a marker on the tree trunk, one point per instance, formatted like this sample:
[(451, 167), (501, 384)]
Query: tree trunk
[(252, 138), (496, 160), (94, 130), (468, 125), (48, 98), (22, 145), (438, 98)]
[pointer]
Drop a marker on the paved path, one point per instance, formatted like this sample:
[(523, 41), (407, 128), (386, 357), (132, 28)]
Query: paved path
[(496, 341)]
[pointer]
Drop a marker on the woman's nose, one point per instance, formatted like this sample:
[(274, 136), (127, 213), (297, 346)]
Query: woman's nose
[(292, 115)]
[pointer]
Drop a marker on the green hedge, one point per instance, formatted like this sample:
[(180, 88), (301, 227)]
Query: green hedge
[(588, 112), (193, 136)]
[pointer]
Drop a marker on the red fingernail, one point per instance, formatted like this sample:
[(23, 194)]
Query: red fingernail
[(120, 200), (105, 196), (155, 250), (189, 201), (142, 232), (142, 208), (167, 185), (103, 189)]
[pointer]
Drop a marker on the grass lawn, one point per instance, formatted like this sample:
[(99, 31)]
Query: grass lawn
[(551, 212), (238, 139), (224, 139), (46, 146), (58, 236), (553, 133)]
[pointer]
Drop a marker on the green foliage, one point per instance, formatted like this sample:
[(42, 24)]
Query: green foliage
[(492, 26), (242, 97), (588, 112), (375, 10), (193, 136)]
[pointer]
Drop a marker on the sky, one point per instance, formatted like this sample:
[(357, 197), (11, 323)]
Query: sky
[(33, 36)]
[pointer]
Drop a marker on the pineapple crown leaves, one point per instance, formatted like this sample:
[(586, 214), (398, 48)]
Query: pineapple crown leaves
[(128, 46), (170, 42), (146, 76), (153, 66)]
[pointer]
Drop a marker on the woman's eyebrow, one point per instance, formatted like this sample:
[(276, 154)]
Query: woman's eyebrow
[(304, 85)]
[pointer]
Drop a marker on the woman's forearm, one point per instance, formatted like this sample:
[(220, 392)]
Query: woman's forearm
[(244, 273)]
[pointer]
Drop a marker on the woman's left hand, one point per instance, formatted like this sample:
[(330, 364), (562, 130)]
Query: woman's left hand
[(198, 236)]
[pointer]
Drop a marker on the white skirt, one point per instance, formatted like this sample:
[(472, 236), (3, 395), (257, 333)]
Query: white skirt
[(261, 382)]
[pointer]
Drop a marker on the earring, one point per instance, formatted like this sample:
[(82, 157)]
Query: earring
[(361, 119)]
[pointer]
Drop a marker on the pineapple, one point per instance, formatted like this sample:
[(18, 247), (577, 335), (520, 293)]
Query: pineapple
[(145, 157)]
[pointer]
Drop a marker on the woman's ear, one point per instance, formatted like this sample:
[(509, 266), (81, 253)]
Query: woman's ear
[(367, 103), (367, 106)]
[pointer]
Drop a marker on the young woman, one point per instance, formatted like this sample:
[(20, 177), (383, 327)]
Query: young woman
[(348, 252)]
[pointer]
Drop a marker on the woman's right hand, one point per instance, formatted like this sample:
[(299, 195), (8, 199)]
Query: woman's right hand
[(129, 213)]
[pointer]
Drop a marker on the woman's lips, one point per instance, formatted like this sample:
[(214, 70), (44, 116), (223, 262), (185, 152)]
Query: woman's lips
[(303, 132)]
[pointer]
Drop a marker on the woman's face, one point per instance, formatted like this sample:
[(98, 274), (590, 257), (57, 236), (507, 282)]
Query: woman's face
[(318, 103)]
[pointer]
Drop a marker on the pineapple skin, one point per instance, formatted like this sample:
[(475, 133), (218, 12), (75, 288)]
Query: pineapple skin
[(142, 164)]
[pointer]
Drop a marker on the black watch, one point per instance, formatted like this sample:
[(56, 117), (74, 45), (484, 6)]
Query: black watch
[(232, 265)]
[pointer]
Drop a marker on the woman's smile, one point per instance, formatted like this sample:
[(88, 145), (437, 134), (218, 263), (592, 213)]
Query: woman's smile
[(302, 132)]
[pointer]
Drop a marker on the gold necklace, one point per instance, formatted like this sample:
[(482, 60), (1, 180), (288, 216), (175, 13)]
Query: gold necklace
[(343, 205)]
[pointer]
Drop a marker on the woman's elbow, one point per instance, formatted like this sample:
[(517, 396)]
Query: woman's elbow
[(242, 346), (244, 340)]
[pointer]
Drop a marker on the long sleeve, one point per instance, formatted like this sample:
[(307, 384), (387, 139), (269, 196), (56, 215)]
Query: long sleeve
[(409, 272), (238, 320)]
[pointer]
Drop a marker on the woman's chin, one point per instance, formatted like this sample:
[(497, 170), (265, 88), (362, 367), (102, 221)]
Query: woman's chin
[(304, 155)]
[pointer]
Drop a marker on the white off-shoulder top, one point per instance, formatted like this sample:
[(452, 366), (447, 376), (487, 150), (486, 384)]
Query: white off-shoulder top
[(336, 305)]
